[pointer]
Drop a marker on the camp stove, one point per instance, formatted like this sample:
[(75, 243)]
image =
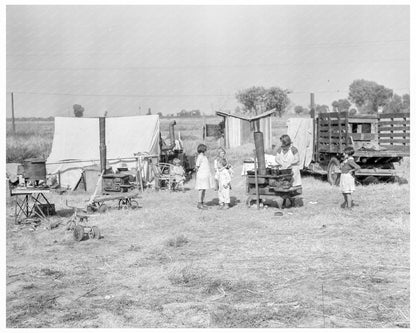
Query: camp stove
[(118, 182), (276, 185)]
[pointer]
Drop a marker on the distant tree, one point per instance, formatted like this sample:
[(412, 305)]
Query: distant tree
[(322, 108), (352, 111), (341, 105), (149, 112), (251, 99), (369, 95), (256, 100), (299, 109), (394, 105), (78, 110), (160, 114), (278, 99), (406, 102)]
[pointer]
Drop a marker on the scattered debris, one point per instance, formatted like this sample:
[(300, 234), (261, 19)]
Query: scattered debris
[(134, 248)]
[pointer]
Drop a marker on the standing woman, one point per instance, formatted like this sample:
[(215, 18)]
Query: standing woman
[(203, 175), (287, 157)]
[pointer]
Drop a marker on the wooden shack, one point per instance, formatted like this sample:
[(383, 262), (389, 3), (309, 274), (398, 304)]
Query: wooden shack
[(238, 129)]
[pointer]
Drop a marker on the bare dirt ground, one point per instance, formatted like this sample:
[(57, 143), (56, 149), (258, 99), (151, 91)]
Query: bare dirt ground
[(168, 264)]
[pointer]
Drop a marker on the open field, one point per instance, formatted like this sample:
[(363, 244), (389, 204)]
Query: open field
[(168, 264), (34, 138)]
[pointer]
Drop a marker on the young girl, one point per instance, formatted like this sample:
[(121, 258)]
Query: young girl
[(218, 160), (224, 184), (218, 165), (347, 181), (203, 175), (178, 174)]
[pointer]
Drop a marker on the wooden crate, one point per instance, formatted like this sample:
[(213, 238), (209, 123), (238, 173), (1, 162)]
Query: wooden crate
[(394, 129)]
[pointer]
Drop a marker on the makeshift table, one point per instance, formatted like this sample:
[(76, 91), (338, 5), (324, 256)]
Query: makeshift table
[(27, 200)]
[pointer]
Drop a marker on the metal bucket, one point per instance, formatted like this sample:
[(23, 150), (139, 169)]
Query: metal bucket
[(34, 169)]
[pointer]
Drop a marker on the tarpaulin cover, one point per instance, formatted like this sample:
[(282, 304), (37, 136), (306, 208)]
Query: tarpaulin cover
[(300, 131), (76, 143)]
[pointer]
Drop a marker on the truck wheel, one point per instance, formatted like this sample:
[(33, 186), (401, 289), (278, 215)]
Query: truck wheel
[(371, 180), (333, 171)]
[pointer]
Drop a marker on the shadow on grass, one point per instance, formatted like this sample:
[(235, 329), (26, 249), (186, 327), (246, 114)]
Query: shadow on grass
[(65, 212), (215, 202)]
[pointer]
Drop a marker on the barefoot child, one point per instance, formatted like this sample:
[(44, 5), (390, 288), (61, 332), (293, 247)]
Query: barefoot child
[(224, 185), (347, 181), (203, 175)]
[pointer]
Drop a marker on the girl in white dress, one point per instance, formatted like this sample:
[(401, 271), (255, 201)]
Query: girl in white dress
[(203, 175)]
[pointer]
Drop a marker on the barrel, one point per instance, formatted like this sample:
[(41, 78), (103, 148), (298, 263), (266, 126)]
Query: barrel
[(34, 169)]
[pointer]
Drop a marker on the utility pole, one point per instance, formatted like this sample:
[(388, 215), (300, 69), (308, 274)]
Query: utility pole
[(13, 124)]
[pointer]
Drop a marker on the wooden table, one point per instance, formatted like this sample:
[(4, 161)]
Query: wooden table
[(26, 201)]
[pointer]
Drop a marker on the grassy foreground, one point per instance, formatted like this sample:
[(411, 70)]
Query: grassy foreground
[(168, 264)]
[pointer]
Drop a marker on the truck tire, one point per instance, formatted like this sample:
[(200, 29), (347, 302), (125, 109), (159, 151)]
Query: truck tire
[(333, 176)]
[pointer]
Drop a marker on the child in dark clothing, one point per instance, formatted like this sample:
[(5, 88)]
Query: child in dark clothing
[(347, 181)]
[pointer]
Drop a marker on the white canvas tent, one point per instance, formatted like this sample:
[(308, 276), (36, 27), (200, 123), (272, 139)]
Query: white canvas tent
[(300, 131), (76, 144)]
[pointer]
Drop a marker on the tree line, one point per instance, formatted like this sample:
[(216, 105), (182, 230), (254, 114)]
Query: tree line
[(364, 97)]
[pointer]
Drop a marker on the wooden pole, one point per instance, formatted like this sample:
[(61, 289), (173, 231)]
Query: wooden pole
[(103, 148), (315, 146), (256, 181), (139, 173), (13, 123)]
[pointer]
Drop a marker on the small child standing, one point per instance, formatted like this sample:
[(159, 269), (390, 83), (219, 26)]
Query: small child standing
[(224, 184), (347, 181), (178, 174)]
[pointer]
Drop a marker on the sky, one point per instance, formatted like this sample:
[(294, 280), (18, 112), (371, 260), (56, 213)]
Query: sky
[(127, 59)]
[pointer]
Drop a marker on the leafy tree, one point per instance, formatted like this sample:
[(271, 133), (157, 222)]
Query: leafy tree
[(149, 112), (352, 111), (160, 114), (398, 104), (78, 110), (251, 99), (256, 100), (369, 95), (394, 105), (341, 105), (299, 109), (322, 108), (278, 99), (406, 102)]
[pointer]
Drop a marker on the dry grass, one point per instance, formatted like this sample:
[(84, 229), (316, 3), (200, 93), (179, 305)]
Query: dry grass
[(171, 265)]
